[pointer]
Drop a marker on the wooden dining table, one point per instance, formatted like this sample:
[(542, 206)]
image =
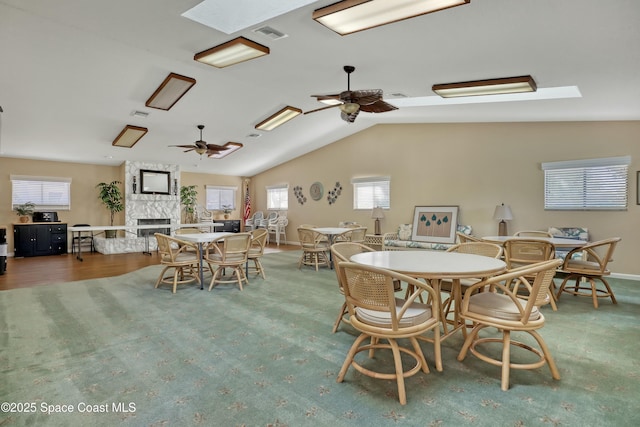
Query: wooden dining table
[(433, 267)]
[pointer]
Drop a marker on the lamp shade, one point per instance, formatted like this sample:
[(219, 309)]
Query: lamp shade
[(503, 213), (377, 213)]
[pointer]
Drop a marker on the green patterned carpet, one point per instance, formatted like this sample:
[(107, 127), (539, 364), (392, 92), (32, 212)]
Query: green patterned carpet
[(117, 351)]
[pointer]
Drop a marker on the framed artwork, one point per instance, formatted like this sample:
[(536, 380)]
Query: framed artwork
[(435, 224)]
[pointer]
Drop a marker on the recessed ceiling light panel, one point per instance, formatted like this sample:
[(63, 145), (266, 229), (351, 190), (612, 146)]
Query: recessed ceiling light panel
[(232, 52)]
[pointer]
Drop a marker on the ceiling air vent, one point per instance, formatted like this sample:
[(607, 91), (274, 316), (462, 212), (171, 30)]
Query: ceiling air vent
[(271, 33)]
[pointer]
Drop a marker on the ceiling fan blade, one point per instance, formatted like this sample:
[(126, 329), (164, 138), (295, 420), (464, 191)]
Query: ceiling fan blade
[(322, 108), (190, 149), (183, 146), (366, 97), (214, 147), (322, 97), (378, 107)]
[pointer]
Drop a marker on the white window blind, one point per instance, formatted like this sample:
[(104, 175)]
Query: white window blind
[(47, 193), (593, 184), (278, 197), (371, 192), (218, 197)]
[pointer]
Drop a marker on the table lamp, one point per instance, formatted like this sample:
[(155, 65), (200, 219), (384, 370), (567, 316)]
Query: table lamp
[(377, 213), (502, 213)]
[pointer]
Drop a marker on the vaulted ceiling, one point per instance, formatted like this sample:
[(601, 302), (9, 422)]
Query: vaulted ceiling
[(72, 72)]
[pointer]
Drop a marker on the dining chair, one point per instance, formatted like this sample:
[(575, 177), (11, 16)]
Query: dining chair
[(594, 267), (278, 227), (180, 256), (508, 312), (256, 251), (383, 319), (228, 251), (532, 233), (475, 248), (523, 252), (343, 251), (314, 248), (465, 238), (358, 234)]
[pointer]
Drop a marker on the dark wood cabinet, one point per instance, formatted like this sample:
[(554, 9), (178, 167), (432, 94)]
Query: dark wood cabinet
[(39, 239), (230, 225)]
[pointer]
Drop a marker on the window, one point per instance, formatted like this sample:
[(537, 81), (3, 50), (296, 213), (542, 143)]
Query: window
[(594, 184), (278, 197), (371, 192), (218, 198), (47, 193)]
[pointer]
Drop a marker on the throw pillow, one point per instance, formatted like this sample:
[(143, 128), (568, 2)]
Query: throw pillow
[(404, 231)]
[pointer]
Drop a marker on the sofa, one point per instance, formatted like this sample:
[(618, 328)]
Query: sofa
[(401, 240)]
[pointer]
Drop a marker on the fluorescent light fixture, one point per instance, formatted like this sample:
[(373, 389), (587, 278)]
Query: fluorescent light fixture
[(279, 118), (170, 91), (232, 52), (230, 147), (560, 92), (129, 136), (486, 87), (350, 16), (329, 100)]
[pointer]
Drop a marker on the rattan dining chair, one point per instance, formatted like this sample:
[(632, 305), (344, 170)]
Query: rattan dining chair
[(523, 252), (256, 251), (506, 311), (465, 238), (384, 319), (314, 248), (229, 251), (342, 252), (183, 257), (594, 267), (475, 248)]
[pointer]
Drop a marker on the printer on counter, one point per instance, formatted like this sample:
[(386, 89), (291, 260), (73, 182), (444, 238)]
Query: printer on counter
[(45, 217)]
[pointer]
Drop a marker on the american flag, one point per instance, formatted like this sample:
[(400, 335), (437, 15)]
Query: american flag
[(247, 203)]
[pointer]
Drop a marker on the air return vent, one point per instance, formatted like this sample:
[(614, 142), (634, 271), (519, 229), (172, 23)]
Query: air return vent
[(270, 32)]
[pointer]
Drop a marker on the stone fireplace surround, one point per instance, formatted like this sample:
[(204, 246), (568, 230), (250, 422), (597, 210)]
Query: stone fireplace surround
[(143, 206)]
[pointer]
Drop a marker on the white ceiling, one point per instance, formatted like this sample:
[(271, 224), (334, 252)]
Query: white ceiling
[(73, 71)]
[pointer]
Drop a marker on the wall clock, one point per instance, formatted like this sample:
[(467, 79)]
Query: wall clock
[(316, 191)]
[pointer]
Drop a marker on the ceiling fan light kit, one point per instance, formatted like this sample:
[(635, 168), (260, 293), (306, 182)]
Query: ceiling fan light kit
[(486, 87), (129, 136), (279, 118), (170, 91), (231, 53), (350, 16)]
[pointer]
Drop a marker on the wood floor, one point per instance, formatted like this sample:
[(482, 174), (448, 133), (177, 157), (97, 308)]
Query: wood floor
[(43, 270)]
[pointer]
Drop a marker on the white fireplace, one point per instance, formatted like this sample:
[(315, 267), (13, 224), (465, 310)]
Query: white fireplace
[(144, 206)]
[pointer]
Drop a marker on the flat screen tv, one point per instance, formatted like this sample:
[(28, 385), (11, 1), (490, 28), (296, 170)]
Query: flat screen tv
[(155, 182)]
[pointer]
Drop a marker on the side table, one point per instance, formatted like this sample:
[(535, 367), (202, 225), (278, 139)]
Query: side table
[(374, 241)]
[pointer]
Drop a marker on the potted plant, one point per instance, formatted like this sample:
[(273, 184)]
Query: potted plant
[(112, 198), (188, 199), (24, 211), (226, 209)]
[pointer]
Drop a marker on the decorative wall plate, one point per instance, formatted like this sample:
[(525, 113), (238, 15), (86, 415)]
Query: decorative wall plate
[(316, 191)]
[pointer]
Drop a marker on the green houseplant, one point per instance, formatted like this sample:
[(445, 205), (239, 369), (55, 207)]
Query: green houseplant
[(25, 210), (188, 199), (112, 198), (226, 210)]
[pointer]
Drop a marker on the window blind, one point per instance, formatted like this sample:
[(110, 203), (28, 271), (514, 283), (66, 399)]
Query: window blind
[(47, 193), (218, 197), (278, 197), (592, 184), (371, 192)]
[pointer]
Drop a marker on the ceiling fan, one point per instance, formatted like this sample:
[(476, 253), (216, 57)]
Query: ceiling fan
[(211, 150), (352, 102)]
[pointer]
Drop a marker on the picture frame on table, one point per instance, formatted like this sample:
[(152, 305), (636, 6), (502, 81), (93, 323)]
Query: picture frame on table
[(435, 224)]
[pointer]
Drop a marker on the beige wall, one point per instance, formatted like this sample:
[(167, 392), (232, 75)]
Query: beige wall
[(474, 166), (86, 208)]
